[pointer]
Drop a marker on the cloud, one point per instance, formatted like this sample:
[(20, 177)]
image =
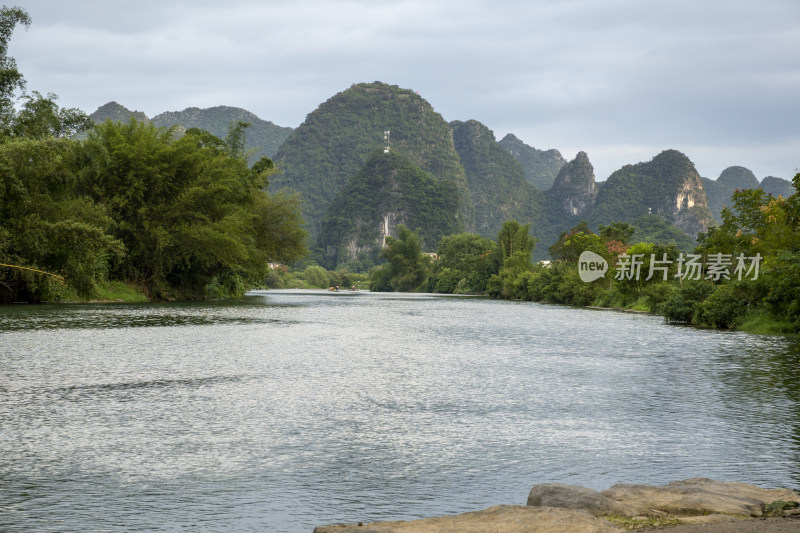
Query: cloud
[(618, 79)]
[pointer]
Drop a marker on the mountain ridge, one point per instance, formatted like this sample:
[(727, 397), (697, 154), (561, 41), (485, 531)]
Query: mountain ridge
[(338, 137), (335, 155), (263, 137)]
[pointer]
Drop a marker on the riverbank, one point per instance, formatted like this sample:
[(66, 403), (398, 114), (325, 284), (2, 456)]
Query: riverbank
[(755, 325), (690, 506)]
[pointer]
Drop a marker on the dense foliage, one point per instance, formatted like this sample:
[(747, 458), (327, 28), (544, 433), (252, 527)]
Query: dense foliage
[(47, 224), (406, 267), (727, 292), (497, 185), (464, 265), (336, 140), (744, 273), (388, 191), (181, 218)]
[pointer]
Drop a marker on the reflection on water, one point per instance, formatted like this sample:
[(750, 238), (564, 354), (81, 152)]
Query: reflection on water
[(291, 409), (98, 316)]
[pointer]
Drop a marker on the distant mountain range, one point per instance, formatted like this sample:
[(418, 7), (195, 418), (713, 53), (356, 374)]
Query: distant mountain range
[(356, 193), (441, 178), (719, 191), (263, 137), (540, 166)]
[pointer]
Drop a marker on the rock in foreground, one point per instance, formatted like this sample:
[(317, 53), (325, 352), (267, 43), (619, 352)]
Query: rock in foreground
[(561, 508), (691, 497), (697, 496)]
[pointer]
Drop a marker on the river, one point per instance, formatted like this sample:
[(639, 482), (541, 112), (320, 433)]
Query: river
[(291, 409)]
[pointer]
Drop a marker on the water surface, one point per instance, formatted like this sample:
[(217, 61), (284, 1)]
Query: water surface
[(291, 409)]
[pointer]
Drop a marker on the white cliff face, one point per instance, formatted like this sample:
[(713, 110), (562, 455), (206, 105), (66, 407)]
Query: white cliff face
[(385, 229), (686, 198), (388, 227), (691, 195)]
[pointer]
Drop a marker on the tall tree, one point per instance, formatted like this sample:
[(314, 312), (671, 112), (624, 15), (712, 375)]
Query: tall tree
[(40, 117), (11, 79), (196, 221), (515, 238), (406, 268)]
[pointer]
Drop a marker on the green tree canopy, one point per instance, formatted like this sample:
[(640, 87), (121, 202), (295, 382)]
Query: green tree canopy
[(465, 263), (40, 117), (617, 231), (515, 238), (46, 224), (191, 215), (11, 80), (406, 268)]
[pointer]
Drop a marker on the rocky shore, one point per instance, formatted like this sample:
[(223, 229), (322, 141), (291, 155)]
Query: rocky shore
[(693, 505)]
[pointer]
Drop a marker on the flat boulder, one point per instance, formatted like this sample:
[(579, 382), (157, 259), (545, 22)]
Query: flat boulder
[(499, 519), (572, 497), (695, 497)]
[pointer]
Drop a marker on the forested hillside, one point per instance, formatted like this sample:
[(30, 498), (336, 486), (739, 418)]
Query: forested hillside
[(540, 166), (497, 184), (389, 191), (263, 137), (668, 185), (336, 140)]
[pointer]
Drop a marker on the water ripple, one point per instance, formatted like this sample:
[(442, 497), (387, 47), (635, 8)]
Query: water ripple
[(292, 409)]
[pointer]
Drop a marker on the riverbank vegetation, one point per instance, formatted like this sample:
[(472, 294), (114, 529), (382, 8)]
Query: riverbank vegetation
[(313, 276), (180, 218), (742, 274), (130, 211), (131, 204)]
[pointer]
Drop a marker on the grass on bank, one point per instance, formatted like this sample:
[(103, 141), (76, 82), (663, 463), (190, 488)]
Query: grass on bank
[(628, 523), (761, 322), (115, 291), (104, 291)]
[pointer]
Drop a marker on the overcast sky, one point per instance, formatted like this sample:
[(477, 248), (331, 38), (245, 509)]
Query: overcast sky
[(619, 79)]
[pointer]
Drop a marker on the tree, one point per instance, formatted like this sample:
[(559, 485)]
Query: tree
[(46, 224), (756, 223), (41, 117), (235, 140), (571, 244), (793, 204), (514, 249), (515, 238), (465, 263), (617, 231), (195, 220), (11, 80), (406, 268)]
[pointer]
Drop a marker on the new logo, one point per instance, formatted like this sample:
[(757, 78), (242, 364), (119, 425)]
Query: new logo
[(591, 266)]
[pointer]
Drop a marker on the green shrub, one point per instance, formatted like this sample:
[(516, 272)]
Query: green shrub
[(316, 276), (446, 281), (680, 306), (727, 306), (657, 294)]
